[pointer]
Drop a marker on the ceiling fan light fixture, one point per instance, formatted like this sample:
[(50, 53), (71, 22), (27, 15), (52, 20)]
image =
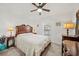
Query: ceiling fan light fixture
[(39, 10)]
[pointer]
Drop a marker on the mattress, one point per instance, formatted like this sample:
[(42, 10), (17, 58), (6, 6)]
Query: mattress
[(31, 44)]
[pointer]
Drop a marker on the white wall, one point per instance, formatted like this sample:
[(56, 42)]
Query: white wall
[(15, 14)]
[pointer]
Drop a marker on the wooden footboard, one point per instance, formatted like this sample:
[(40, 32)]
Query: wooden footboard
[(44, 52)]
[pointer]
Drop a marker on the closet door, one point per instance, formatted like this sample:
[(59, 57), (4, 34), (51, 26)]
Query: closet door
[(77, 23)]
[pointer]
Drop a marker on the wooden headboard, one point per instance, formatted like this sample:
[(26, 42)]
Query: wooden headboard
[(23, 29)]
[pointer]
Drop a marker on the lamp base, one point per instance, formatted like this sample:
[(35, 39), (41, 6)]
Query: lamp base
[(67, 32)]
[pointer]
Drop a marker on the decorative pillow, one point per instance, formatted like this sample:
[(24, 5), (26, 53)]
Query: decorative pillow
[(2, 47)]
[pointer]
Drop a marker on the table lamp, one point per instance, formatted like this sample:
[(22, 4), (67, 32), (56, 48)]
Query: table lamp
[(69, 25), (10, 29)]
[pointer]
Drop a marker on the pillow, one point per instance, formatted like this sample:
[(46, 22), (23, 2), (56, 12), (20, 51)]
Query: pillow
[(2, 47), (29, 29)]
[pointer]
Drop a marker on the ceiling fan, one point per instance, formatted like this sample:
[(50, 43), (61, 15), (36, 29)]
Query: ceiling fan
[(40, 7)]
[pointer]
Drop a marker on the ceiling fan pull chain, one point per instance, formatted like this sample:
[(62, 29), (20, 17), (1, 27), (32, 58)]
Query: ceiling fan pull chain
[(39, 13)]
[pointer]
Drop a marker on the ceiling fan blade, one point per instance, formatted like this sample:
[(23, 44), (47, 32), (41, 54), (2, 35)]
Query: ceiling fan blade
[(43, 4), (46, 10), (33, 10), (35, 5)]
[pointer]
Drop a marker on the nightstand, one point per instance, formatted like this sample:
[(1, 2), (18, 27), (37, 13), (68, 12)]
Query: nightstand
[(70, 45), (10, 41)]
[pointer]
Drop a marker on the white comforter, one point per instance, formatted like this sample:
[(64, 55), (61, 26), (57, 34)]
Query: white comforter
[(31, 44)]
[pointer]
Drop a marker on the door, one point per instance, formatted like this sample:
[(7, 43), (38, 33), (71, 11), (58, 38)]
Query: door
[(77, 23)]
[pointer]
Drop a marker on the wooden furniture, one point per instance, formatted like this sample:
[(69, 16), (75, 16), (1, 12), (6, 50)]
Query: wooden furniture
[(10, 41), (22, 43), (23, 29), (70, 45)]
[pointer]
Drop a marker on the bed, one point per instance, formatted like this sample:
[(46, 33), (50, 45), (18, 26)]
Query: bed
[(28, 42)]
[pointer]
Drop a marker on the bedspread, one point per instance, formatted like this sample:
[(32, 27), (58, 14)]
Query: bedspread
[(31, 44)]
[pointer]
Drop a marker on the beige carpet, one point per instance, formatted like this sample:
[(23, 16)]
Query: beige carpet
[(13, 51), (51, 50)]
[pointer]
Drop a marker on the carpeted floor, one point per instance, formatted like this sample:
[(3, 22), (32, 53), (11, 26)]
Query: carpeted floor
[(13, 51), (51, 50)]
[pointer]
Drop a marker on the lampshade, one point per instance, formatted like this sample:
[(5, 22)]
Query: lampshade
[(10, 28), (69, 25)]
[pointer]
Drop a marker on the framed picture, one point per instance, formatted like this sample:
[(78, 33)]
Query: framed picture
[(58, 24)]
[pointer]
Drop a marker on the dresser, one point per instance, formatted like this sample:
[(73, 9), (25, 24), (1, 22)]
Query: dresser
[(70, 45)]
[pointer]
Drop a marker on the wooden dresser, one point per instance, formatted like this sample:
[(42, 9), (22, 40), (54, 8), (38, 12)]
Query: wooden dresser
[(70, 45)]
